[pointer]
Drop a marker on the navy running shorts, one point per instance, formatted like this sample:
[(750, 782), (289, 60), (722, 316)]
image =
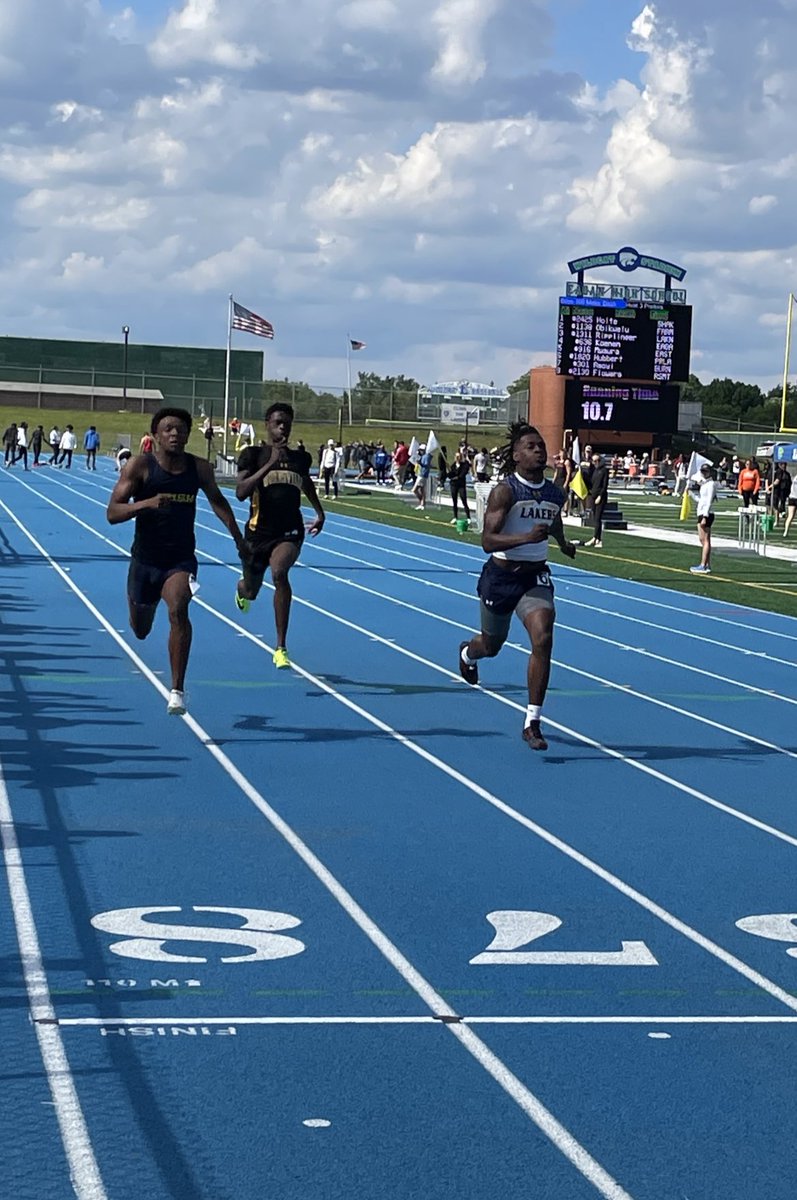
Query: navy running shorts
[(145, 581)]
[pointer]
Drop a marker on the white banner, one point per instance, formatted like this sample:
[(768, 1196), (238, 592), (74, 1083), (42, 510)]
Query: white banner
[(459, 414)]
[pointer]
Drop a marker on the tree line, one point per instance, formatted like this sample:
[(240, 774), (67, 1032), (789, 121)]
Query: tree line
[(726, 402)]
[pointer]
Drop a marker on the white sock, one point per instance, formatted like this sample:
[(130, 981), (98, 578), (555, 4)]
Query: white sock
[(532, 713), (468, 661)]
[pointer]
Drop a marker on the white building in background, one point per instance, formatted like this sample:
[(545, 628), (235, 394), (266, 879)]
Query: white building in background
[(461, 401)]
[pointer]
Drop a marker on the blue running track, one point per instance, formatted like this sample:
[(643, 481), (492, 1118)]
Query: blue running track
[(337, 933)]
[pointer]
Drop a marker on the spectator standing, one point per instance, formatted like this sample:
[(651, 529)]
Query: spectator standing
[(736, 467), (707, 495), (36, 439), (780, 490), (459, 484), (10, 444), (401, 458), (422, 480), (67, 447), (792, 505), (481, 465), (146, 445), (598, 495), (749, 483), (381, 463), (330, 461), (22, 444), (91, 444), (442, 467)]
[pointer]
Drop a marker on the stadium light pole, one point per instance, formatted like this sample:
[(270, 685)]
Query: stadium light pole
[(126, 332)]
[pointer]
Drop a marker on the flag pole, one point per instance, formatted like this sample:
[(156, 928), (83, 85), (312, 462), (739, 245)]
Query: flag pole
[(785, 392), (227, 378), (348, 370)]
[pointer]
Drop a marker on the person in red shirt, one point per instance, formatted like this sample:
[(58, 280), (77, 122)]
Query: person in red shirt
[(749, 483), (401, 458)]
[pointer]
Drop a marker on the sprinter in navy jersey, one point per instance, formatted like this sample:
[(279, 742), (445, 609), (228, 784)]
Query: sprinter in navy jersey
[(273, 478), (159, 490), (523, 510)]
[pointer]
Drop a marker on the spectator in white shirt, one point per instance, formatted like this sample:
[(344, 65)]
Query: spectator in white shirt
[(66, 446), (707, 495), (331, 458), (22, 443), (481, 466)]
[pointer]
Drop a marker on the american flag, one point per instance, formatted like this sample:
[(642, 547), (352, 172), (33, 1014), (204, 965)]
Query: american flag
[(356, 345), (250, 322)]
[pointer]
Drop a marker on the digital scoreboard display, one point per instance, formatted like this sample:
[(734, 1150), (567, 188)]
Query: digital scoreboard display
[(637, 407), (624, 341)]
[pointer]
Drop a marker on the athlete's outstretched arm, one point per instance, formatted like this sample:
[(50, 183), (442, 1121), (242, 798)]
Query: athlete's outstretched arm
[(308, 487), (557, 532), (218, 501), (121, 506)]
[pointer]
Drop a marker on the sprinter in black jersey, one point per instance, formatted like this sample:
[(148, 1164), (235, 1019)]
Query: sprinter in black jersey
[(272, 477), (159, 490)]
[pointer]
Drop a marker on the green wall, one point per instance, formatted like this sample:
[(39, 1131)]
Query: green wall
[(181, 373)]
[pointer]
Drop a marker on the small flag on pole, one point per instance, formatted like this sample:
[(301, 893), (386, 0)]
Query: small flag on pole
[(356, 345), (250, 322), (432, 443), (579, 486), (686, 507)]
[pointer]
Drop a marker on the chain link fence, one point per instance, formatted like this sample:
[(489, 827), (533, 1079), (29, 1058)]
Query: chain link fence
[(145, 392)]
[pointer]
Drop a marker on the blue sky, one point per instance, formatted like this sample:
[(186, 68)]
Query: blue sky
[(590, 38), (418, 172)]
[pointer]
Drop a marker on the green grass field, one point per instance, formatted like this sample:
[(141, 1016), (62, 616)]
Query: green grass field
[(111, 425)]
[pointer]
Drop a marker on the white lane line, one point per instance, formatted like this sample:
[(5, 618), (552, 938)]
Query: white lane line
[(84, 1172), (541, 1116), (167, 1022), (620, 687), (613, 880), (668, 780), (573, 629), (442, 547), (732, 647), (650, 654), (744, 610)]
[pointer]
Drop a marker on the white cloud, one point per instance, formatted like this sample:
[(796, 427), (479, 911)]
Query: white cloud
[(762, 204), (402, 168), (198, 32)]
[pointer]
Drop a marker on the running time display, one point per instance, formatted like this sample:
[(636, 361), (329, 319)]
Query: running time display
[(638, 408), (624, 342)]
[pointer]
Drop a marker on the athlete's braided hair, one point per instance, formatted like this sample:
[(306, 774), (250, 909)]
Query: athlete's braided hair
[(504, 459)]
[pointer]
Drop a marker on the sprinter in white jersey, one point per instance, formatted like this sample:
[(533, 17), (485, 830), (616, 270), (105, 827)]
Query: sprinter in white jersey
[(524, 509)]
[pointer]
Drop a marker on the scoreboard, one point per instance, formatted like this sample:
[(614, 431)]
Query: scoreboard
[(641, 407), (616, 340)]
